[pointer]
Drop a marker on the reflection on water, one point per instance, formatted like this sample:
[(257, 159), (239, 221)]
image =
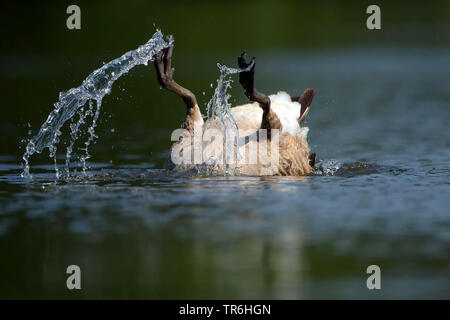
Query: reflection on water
[(140, 232)]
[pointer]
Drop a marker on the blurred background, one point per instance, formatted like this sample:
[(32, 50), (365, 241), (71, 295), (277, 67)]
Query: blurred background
[(41, 57), (381, 109)]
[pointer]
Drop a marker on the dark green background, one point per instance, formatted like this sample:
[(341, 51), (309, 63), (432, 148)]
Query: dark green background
[(40, 56)]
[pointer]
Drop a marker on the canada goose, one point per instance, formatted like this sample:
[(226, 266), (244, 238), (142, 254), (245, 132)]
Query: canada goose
[(269, 126)]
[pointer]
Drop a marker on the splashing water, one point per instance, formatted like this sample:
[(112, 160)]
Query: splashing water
[(327, 167), (94, 88), (219, 108)]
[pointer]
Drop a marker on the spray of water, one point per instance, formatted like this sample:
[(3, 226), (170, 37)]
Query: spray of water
[(93, 89), (219, 108), (327, 167)]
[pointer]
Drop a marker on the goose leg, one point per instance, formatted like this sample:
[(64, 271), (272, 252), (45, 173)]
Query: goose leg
[(164, 73), (269, 119)]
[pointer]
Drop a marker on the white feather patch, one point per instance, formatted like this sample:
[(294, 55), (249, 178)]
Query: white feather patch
[(248, 117), (288, 112)]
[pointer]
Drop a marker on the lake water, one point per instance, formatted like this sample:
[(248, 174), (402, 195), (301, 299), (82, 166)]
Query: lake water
[(139, 232)]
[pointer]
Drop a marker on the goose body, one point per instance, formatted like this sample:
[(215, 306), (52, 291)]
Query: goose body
[(292, 157), (269, 139)]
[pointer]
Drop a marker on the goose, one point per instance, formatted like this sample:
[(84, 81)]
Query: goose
[(270, 140)]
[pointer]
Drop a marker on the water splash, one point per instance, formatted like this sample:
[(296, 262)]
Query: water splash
[(333, 167), (219, 108), (74, 128), (94, 88), (327, 167)]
